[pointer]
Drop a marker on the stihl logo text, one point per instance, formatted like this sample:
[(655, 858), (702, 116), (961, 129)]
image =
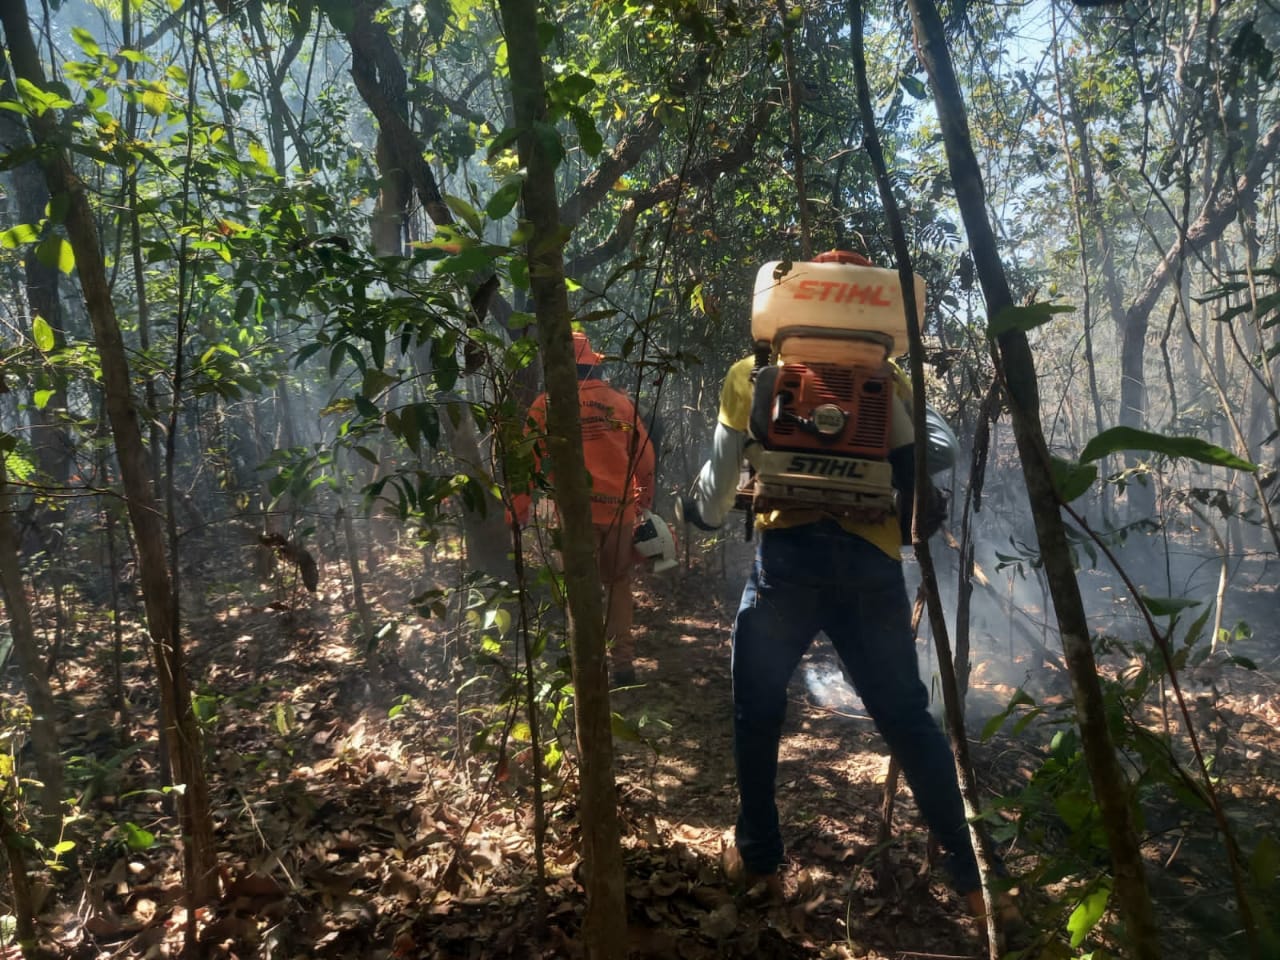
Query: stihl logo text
[(826, 467), (830, 291)]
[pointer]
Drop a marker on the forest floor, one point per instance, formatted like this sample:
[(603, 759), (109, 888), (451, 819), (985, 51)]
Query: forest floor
[(355, 819)]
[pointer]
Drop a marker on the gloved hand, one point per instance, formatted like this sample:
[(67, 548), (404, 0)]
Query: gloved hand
[(935, 514), (687, 512)]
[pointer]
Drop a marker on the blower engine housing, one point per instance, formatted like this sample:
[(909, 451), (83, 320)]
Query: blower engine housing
[(824, 432), (825, 412)]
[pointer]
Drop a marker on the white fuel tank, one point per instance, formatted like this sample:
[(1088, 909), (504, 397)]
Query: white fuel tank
[(830, 309)]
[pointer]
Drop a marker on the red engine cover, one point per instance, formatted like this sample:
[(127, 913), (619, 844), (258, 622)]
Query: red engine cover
[(824, 408)]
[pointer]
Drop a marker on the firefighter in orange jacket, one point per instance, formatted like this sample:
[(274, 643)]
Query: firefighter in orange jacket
[(621, 461)]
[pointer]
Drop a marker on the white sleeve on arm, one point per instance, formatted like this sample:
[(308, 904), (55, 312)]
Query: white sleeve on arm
[(717, 483)]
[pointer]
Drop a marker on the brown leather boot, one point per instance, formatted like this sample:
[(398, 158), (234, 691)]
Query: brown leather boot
[(761, 886), (1005, 906), (1013, 926)]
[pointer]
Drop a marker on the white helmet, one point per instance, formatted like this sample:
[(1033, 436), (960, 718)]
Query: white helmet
[(654, 543), (943, 448)]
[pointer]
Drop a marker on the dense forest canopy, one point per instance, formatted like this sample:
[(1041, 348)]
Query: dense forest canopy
[(283, 277)]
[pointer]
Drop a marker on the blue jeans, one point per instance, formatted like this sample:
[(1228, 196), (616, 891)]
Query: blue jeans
[(818, 577)]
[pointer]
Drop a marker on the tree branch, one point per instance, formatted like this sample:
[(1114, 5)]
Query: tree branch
[(670, 188), (381, 80), (1207, 227), (643, 134)]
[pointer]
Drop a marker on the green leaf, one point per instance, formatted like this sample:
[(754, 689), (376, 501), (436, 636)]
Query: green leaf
[(375, 381), (136, 837), (624, 729), (523, 233), (1193, 448), (59, 206), (429, 423), (406, 427), (335, 359), (42, 333), (588, 136), (548, 138), (1087, 914), (504, 199), (244, 303), (16, 236), (155, 102), (518, 270), (1167, 606), (470, 260), (914, 86), (307, 351), (444, 363), (204, 706), (497, 619), (39, 101), (217, 348), (502, 141), (1266, 304), (238, 80), (84, 40), (574, 86), (1025, 318), (1020, 698), (1072, 479), (64, 846), (283, 717), (42, 398), (54, 251), (259, 154), (465, 212), (356, 357), (1196, 629)]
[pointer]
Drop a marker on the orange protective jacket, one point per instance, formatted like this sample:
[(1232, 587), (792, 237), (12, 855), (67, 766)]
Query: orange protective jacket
[(618, 452)]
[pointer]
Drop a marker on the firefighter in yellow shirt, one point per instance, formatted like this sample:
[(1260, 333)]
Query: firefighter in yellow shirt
[(837, 572)]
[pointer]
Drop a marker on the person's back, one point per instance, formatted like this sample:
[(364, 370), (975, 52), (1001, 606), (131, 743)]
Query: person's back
[(618, 454), (620, 458), (827, 562)]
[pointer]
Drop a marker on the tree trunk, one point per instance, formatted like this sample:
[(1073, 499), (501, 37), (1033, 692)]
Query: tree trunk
[(23, 902), (972, 503), (793, 89), (952, 694), (1018, 370), (363, 613), (382, 83), (1219, 211), (1089, 221), (486, 534), (605, 924), (35, 683), (50, 443), (178, 720)]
